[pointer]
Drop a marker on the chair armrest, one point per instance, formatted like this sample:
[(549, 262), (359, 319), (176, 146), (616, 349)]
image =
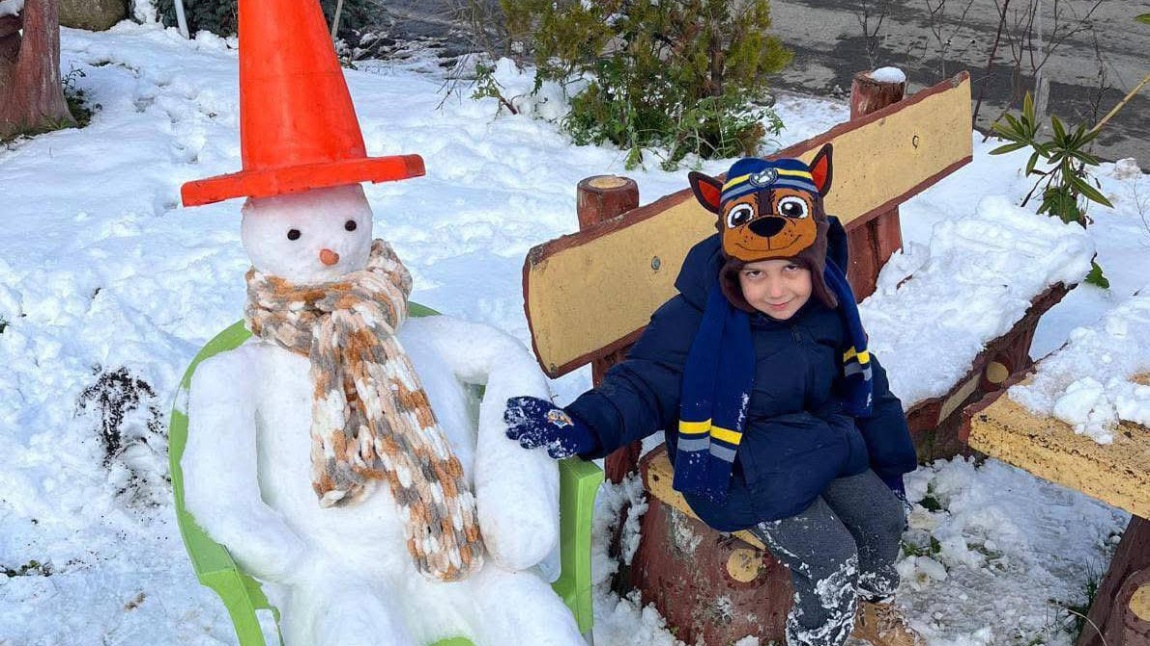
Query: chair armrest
[(579, 482), (213, 565)]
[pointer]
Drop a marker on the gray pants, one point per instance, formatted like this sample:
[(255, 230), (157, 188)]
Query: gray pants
[(841, 547)]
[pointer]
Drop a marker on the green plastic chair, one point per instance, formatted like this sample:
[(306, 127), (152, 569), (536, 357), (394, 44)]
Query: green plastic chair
[(579, 481)]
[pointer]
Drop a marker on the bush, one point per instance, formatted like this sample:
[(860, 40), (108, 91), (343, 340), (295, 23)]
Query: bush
[(219, 16), (683, 75)]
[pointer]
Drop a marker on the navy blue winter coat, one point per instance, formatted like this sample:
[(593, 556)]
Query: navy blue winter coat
[(796, 439)]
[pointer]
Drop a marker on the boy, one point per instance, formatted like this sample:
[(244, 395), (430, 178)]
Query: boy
[(778, 420)]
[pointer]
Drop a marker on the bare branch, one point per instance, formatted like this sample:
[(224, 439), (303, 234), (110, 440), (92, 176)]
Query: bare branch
[(990, 59)]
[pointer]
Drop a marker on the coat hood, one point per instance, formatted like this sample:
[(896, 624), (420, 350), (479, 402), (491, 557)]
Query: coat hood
[(700, 271)]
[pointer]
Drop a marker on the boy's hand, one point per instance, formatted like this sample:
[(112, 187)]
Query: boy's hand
[(535, 422)]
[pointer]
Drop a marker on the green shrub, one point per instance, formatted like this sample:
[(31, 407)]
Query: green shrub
[(682, 75), (1065, 185), (219, 16)]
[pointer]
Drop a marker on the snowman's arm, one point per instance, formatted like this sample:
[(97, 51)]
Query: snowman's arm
[(517, 491), (220, 468)]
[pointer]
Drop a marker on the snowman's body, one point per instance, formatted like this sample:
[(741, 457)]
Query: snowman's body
[(343, 574)]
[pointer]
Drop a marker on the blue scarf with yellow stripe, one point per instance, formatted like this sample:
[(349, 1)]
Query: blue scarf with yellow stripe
[(717, 381), (857, 392)]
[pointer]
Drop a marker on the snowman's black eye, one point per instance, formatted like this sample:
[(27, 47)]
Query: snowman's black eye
[(293, 234), (349, 225)]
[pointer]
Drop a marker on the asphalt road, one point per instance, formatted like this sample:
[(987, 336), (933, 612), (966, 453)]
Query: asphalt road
[(1089, 70)]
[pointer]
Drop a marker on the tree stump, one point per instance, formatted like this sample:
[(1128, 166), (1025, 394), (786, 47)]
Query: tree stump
[(31, 94)]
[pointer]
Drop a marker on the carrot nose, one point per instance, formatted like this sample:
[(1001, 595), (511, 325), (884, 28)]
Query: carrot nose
[(328, 257)]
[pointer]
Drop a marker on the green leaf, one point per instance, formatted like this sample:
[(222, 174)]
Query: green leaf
[(1087, 158), (1028, 107), (1077, 139), (1032, 162), (1009, 148), (1089, 136), (1144, 18), (1096, 277), (1018, 129), (1059, 130), (1004, 131), (1089, 192)]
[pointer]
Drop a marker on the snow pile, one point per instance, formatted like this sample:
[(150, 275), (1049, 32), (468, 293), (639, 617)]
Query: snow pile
[(994, 556), (888, 75), (1089, 383), (935, 309), (1126, 169)]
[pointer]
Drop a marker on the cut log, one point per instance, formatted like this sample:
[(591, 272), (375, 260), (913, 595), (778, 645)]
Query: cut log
[(713, 588)]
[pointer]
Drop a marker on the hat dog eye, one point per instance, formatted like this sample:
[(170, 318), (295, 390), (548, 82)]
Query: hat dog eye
[(739, 215), (793, 207)]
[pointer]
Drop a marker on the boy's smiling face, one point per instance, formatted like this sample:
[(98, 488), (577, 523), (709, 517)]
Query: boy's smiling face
[(777, 288)]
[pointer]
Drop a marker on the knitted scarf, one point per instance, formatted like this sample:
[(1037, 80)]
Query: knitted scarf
[(371, 419), (857, 391), (717, 381)]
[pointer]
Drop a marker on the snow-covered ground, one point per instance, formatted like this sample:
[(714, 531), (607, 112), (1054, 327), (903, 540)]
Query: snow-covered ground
[(108, 288)]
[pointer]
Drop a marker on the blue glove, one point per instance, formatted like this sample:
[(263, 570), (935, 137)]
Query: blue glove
[(896, 485), (535, 422)]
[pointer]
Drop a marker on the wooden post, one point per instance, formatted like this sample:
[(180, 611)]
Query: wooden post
[(873, 242), (600, 198)]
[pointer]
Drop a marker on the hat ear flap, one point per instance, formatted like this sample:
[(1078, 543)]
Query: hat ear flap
[(707, 190), (821, 170)]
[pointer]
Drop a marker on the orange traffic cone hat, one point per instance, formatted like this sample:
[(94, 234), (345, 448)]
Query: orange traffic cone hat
[(298, 128)]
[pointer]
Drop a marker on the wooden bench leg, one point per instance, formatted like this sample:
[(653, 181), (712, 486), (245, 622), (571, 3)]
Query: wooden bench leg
[(1121, 611)]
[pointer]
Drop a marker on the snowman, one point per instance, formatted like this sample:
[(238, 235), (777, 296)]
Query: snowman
[(337, 453)]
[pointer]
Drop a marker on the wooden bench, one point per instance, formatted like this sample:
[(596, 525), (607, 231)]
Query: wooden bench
[(589, 295), (1117, 474)]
